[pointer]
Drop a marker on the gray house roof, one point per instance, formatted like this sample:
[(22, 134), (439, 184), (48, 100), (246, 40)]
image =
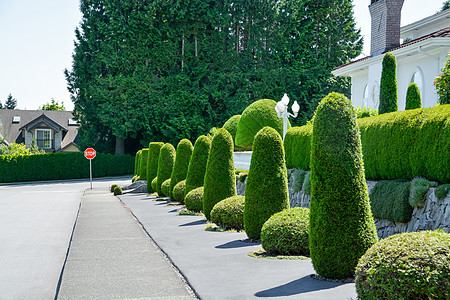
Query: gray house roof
[(14, 121)]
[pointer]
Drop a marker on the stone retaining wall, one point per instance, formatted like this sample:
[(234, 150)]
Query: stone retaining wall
[(434, 215)]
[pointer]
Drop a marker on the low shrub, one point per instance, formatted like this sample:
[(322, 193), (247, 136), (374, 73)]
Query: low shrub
[(413, 265), (113, 187), (118, 191), (135, 178), (178, 191), (257, 115), (229, 213), (194, 199), (242, 176), (389, 200), (441, 191), (287, 232), (154, 183), (165, 187), (299, 178), (364, 112), (297, 144), (307, 184), (419, 189)]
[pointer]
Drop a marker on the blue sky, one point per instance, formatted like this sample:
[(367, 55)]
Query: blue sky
[(36, 45)]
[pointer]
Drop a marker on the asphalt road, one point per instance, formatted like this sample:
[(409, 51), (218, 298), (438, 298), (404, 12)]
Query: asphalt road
[(36, 224)]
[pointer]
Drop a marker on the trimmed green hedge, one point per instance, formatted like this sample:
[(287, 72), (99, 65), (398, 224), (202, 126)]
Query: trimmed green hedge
[(165, 165), (297, 144), (137, 163), (231, 126), (405, 144), (56, 166), (181, 164)]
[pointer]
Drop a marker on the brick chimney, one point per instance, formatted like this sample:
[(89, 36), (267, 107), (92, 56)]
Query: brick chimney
[(385, 33)]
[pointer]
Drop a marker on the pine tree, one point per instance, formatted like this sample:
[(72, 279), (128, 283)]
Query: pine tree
[(10, 102)]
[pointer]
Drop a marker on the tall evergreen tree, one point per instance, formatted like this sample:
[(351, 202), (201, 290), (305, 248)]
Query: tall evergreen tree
[(10, 102), (172, 69), (388, 85)]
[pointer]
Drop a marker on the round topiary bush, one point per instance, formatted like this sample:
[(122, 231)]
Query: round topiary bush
[(165, 187), (180, 167), (113, 187), (178, 191), (413, 265), (165, 165), (257, 115), (287, 232), (143, 164), (152, 163), (231, 126), (341, 223), (220, 181), (197, 166), (118, 191), (413, 99), (229, 213), (194, 199), (266, 190), (154, 183), (388, 85)]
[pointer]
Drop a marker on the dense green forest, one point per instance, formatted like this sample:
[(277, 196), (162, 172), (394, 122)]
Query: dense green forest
[(164, 70)]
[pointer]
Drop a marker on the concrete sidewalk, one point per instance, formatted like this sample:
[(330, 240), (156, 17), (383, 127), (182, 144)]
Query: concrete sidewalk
[(216, 264), (111, 256)]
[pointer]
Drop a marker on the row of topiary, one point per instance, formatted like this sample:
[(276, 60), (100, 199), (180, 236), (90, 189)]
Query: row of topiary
[(341, 227)]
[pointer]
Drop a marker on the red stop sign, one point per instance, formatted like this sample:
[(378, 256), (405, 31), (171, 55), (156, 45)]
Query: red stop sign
[(89, 153)]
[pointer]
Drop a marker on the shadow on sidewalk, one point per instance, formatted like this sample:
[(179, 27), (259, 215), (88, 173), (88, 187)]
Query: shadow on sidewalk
[(198, 222), (235, 244), (303, 285)]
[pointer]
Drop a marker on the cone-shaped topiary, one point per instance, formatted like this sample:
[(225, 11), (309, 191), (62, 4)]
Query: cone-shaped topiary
[(165, 165), (231, 126), (220, 180), (413, 99), (197, 166), (180, 167), (152, 163), (143, 165), (154, 183), (257, 115), (388, 85), (137, 163), (341, 223), (266, 190)]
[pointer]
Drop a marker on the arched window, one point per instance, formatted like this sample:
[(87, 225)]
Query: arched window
[(366, 95), (417, 78)]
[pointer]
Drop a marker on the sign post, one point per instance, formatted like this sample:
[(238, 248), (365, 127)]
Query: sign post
[(90, 153)]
